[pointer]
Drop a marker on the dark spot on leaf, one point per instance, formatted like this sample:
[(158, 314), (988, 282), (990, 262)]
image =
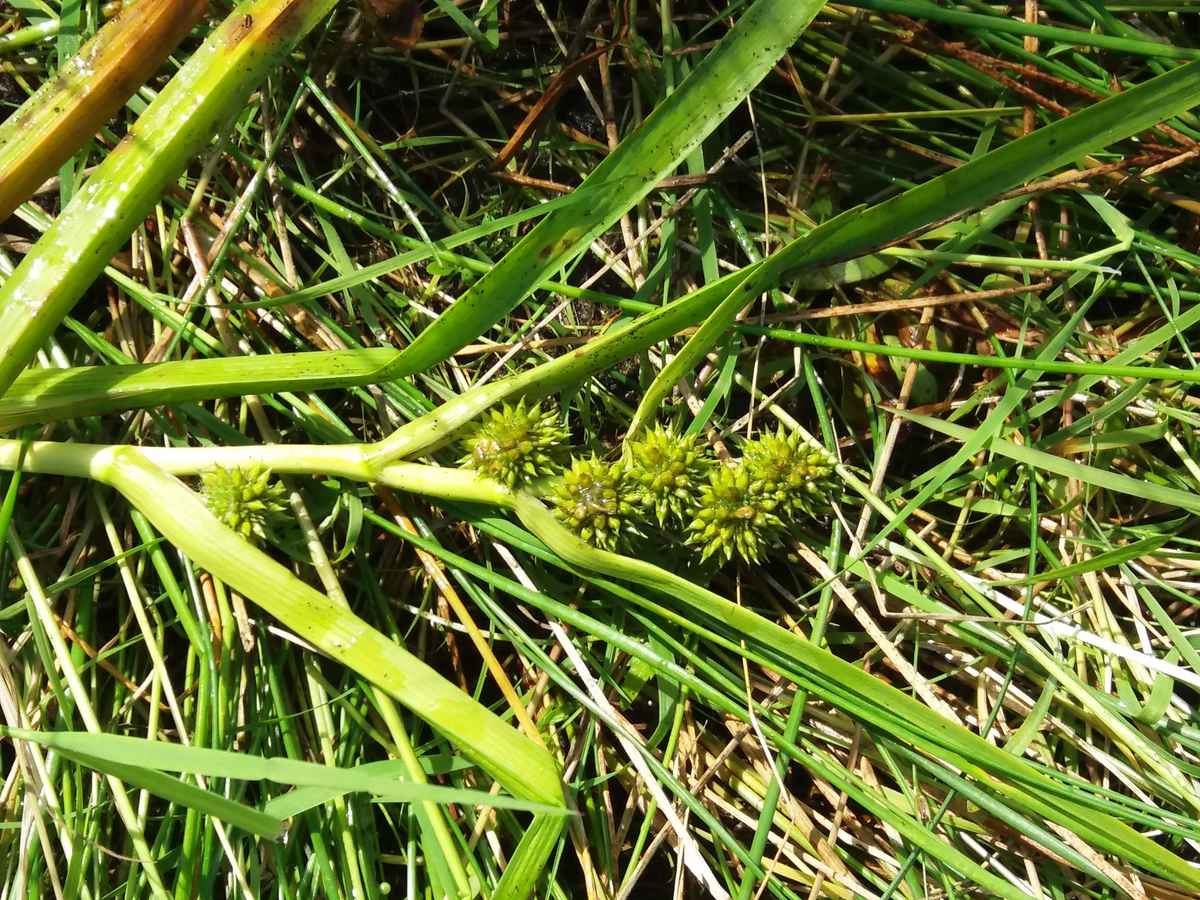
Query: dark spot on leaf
[(241, 30)]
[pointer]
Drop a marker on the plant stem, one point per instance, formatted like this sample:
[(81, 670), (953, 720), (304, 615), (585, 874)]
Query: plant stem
[(433, 429), (879, 701), (523, 767)]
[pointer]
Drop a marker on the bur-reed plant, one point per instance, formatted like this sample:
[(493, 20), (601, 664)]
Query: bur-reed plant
[(749, 505), (142, 476)]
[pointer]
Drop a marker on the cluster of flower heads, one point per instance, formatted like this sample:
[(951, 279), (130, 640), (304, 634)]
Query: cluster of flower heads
[(666, 483), (246, 499), (516, 444)]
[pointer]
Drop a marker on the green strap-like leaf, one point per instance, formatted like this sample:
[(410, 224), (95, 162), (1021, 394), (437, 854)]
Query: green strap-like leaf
[(1101, 561), (672, 131), (69, 108), (848, 687), (212, 85), (858, 231), (46, 395), (523, 767), (171, 788)]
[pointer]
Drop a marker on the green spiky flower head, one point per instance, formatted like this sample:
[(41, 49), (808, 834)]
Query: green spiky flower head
[(516, 444), (245, 499), (667, 470), (787, 471), (732, 519), (596, 500)]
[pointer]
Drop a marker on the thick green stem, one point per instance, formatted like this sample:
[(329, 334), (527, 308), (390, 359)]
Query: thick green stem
[(523, 767), (344, 460), (424, 434)]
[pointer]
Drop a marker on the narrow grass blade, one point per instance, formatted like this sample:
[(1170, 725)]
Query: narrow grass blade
[(865, 696), (1096, 563), (715, 326), (68, 109), (304, 798), (160, 756), (170, 788), (525, 867), (47, 395), (973, 183), (1004, 24), (210, 87), (859, 231), (861, 794), (420, 251), (1049, 462), (669, 134), (10, 492), (1020, 364)]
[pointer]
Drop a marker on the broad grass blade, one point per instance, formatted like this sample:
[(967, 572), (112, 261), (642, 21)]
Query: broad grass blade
[(870, 699), (210, 87), (68, 109), (859, 231), (173, 789), (102, 750), (523, 767), (669, 134)]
